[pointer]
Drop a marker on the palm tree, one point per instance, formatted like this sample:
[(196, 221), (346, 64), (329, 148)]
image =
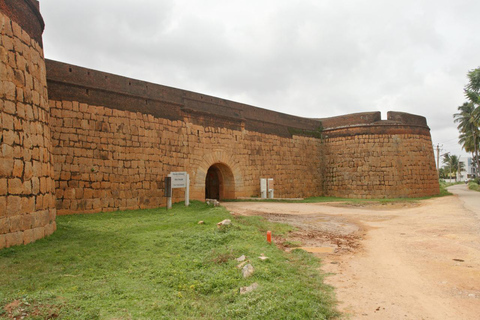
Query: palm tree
[(452, 164), (441, 173), (474, 81), (468, 119)]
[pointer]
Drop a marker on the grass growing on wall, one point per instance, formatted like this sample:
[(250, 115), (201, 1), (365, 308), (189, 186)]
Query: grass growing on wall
[(154, 264)]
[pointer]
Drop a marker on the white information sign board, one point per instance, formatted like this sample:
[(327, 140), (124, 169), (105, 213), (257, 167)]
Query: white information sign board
[(180, 180), (263, 188), (270, 188)]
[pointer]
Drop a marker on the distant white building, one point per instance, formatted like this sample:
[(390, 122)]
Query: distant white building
[(469, 169)]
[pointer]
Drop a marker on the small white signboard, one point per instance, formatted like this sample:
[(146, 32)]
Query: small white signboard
[(180, 180), (263, 188), (270, 188)]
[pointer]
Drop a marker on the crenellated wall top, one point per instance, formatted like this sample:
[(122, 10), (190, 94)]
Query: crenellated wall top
[(394, 118)]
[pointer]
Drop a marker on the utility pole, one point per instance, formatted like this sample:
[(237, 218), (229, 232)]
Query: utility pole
[(438, 159)]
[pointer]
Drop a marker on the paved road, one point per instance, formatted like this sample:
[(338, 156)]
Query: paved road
[(470, 199)]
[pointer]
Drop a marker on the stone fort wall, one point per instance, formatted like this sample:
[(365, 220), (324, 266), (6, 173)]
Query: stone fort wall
[(27, 200), (116, 139), (101, 142)]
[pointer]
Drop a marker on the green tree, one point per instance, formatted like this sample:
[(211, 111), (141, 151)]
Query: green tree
[(472, 89), (452, 165), (468, 117), (468, 120), (441, 173)]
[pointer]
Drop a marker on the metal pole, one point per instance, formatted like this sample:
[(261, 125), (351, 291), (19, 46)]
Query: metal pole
[(168, 191), (438, 160), (187, 191)]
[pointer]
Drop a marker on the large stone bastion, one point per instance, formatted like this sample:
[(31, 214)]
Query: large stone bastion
[(27, 189), (367, 157)]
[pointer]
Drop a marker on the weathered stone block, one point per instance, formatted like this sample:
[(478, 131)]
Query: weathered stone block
[(28, 171), (38, 233), (28, 204), (49, 229), (14, 206), (3, 243), (4, 225), (13, 239), (28, 236), (15, 223), (3, 189), (40, 218), (15, 186), (6, 167), (27, 221), (9, 107)]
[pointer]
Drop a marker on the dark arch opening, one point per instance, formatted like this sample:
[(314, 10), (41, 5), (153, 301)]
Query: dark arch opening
[(219, 182)]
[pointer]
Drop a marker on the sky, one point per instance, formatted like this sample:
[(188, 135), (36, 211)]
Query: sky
[(308, 58)]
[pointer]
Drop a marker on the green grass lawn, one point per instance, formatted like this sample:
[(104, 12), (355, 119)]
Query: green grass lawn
[(154, 264)]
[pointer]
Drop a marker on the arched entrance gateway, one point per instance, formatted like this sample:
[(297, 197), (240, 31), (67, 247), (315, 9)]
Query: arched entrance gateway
[(219, 182)]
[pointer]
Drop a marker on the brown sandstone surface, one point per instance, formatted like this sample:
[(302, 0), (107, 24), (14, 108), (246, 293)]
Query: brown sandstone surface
[(27, 200), (401, 261), (380, 162), (108, 159)]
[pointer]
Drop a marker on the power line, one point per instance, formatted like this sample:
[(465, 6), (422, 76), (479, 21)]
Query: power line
[(449, 140)]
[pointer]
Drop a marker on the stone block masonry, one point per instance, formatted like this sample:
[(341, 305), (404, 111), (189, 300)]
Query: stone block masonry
[(27, 198), (108, 159), (390, 158), (116, 139)]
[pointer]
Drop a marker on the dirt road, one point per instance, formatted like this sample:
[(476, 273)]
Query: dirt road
[(400, 261)]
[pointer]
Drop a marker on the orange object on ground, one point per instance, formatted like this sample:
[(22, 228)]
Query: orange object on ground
[(269, 236)]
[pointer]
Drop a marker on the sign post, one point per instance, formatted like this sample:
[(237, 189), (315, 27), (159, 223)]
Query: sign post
[(168, 191), (187, 191), (180, 180)]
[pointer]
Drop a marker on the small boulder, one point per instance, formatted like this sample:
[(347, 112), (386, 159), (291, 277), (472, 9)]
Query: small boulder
[(262, 257), (225, 222), (241, 258), (247, 270), (201, 222), (240, 266), (213, 202), (248, 289)]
